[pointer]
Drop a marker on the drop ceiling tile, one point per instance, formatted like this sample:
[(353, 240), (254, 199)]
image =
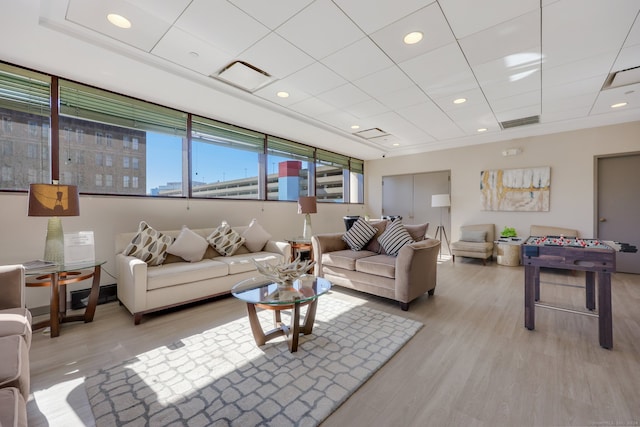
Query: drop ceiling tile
[(188, 51), (633, 38), (385, 81), (221, 24), (431, 119), (469, 16), (552, 105), (271, 13), (560, 116), (371, 18), (440, 72), (514, 39), (470, 112), (367, 108), (583, 29), (343, 96), (312, 107), (473, 97), (606, 98), (578, 70), (276, 56), (320, 29), (270, 92), (338, 119), (429, 20), (316, 78), (591, 86), (403, 98), (168, 10), (519, 113), (357, 60), (522, 100), (146, 29), (629, 58), (505, 88)]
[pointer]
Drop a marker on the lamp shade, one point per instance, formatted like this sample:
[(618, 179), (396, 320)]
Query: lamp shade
[(307, 205), (53, 200), (440, 200)]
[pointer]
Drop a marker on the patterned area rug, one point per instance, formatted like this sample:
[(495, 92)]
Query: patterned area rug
[(221, 378)]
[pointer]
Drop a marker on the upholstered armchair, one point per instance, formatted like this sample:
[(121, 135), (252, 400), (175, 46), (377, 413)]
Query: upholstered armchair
[(15, 340), (476, 241)]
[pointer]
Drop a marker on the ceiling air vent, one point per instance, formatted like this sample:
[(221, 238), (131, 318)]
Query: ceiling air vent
[(623, 78), (520, 122), (244, 75), (371, 133)]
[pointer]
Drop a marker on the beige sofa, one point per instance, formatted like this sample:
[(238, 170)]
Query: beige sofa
[(15, 340), (144, 289), (402, 278)]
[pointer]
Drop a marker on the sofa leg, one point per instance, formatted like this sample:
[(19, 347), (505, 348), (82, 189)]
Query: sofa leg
[(431, 292), (404, 306), (453, 258), (137, 318)]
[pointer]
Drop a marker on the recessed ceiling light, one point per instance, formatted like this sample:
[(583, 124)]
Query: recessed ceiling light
[(413, 37), (482, 130), (283, 94), (119, 20), (194, 54), (355, 127), (396, 144), (619, 104), (460, 101)]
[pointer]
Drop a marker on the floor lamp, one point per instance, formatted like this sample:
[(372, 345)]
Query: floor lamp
[(441, 201)]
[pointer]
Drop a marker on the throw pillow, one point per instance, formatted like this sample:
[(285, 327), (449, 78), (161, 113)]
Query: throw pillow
[(149, 245), (359, 234), (189, 245), (394, 238), (417, 231), (225, 239), (374, 245), (473, 236), (255, 236)]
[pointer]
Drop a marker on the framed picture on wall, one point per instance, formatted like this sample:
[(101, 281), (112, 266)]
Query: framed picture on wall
[(525, 190)]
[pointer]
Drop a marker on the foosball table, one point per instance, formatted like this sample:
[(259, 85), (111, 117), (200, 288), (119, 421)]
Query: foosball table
[(597, 258)]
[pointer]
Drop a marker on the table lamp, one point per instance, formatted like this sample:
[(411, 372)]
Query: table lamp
[(54, 201), (306, 206)]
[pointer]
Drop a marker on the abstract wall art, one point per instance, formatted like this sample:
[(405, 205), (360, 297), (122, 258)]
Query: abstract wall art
[(525, 190)]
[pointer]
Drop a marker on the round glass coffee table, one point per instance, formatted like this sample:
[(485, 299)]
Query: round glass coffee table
[(264, 293)]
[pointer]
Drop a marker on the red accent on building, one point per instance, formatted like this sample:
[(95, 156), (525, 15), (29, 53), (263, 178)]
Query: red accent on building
[(289, 168)]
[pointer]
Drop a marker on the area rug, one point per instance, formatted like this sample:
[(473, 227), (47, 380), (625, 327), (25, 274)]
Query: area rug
[(221, 378)]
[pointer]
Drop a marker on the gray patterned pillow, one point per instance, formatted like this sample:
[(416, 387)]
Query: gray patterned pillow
[(149, 245), (394, 238), (359, 234), (225, 240)]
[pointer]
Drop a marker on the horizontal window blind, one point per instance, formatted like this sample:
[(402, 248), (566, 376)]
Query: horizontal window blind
[(24, 91), (332, 159), (101, 106), (213, 132), (357, 166), (284, 148)]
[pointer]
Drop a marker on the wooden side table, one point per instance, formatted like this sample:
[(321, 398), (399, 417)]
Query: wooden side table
[(299, 245), (58, 278)]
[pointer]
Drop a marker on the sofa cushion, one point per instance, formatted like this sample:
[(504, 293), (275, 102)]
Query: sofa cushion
[(148, 245), (378, 265), (417, 231), (395, 236), (225, 240), (345, 259), (359, 234), (374, 245), (16, 321), (472, 246), (243, 263), (178, 273), (14, 369), (473, 236), (13, 410), (189, 245), (255, 236)]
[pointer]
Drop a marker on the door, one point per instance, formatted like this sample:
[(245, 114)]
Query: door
[(397, 197), (618, 206)]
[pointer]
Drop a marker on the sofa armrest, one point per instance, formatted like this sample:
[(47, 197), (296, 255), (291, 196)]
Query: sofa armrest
[(12, 286), (282, 248), (324, 243), (416, 267), (131, 276)]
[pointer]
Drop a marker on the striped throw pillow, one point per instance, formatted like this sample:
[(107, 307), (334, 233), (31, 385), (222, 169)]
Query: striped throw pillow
[(359, 234), (394, 238)]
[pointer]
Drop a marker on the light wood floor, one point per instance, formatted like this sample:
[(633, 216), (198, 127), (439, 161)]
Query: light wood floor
[(472, 364)]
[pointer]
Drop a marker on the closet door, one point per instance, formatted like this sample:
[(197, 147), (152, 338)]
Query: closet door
[(397, 197), (424, 186)]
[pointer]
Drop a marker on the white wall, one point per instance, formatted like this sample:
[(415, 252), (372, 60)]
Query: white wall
[(570, 155), (23, 237)]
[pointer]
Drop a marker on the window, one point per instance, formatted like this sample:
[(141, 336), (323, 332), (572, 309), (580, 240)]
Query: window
[(79, 136), (225, 160), (289, 166), (98, 180), (108, 180), (134, 181), (135, 163), (99, 159), (24, 108), (157, 133), (356, 181), (331, 172)]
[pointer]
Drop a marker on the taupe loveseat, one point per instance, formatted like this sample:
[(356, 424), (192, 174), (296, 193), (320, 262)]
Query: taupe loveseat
[(402, 278)]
